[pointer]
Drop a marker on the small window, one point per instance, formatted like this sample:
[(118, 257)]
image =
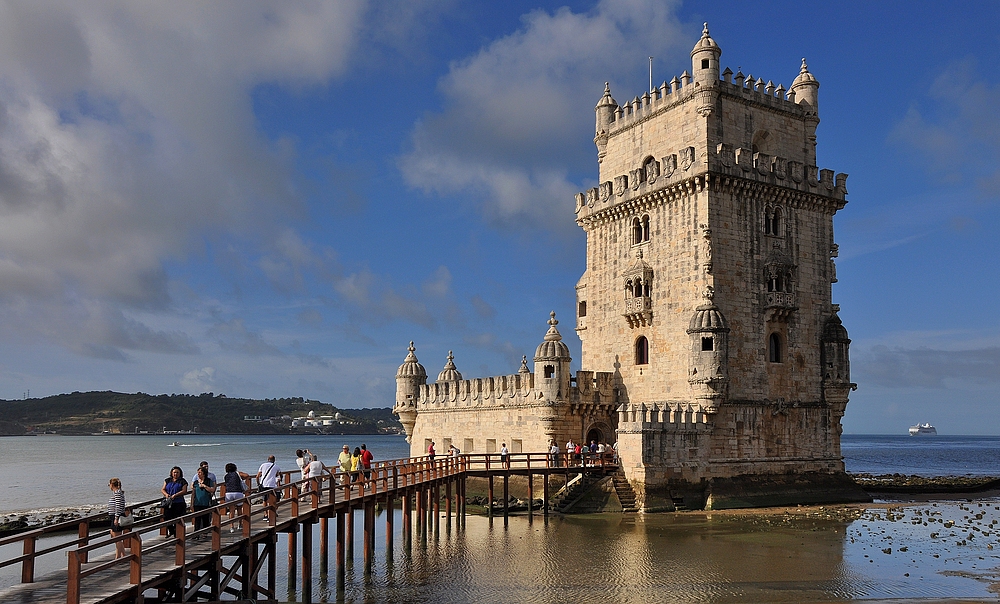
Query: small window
[(774, 348), (491, 445), (445, 444), (637, 291), (549, 371), (583, 309), (467, 446), (704, 63), (642, 351), (645, 288), (636, 231), (645, 228), (516, 445), (772, 222), (707, 344), (774, 284)]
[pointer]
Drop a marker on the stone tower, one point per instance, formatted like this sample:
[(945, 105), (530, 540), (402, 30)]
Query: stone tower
[(410, 376), (708, 289)]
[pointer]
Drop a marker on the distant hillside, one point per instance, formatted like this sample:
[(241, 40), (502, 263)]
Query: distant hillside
[(90, 412)]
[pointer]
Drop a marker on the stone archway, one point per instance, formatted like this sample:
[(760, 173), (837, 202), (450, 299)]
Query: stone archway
[(600, 432)]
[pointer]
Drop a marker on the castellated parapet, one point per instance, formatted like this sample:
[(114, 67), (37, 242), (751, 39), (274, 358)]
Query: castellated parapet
[(706, 301), (526, 411)]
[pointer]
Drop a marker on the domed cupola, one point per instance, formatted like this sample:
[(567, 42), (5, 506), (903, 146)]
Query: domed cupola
[(605, 110), (411, 367), (707, 318), (450, 373), (409, 378), (552, 365), (705, 60), (806, 87), (552, 347), (708, 365), (834, 330)]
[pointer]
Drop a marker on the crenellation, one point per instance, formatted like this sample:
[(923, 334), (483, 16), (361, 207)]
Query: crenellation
[(712, 350)]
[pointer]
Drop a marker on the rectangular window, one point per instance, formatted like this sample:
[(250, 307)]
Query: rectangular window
[(445, 444), (491, 445), (707, 344), (515, 445), (467, 446), (427, 445), (549, 371), (583, 308)]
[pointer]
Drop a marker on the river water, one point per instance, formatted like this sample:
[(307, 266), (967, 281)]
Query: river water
[(804, 556)]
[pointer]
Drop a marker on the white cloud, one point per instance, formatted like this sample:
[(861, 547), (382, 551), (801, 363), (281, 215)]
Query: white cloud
[(127, 138), (521, 110), (198, 380)]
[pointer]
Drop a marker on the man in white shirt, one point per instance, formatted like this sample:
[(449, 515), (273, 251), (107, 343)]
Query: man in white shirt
[(269, 475)]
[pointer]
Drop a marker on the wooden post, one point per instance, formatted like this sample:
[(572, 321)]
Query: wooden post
[(135, 563), (272, 567), (292, 539), (83, 532), (447, 500), (390, 513), (307, 550), (340, 546), (324, 542), (73, 578), (420, 508), (506, 494), (28, 565), (531, 494), (350, 532), (489, 504), (368, 524), (407, 504), (545, 495)]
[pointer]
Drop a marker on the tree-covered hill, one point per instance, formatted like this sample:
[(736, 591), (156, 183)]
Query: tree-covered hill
[(89, 412)]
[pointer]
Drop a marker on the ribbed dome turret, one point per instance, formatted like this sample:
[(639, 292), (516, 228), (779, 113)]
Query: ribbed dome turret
[(708, 317), (706, 43), (606, 100), (834, 330), (450, 373), (552, 348), (411, 367), (804, 77)]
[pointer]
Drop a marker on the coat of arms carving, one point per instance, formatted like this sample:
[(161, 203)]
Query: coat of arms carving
[(669, 164), (621, 185), (687, 157), (605, 191), (636, 177)]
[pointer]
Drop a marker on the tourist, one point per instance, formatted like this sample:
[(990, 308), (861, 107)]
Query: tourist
[(204, 464), (316, 469), (302, 462), (269, 477), (366, 462), (116, 510), (356, 465), (614, 447), (202, 491), (232, 489), (430, 450), (174, 489), (344, 461), (578, 454), (600, 454), (504, 456), (570, 450), (553, 455), (453, 451)]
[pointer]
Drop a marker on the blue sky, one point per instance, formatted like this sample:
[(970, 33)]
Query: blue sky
[(271, 200)]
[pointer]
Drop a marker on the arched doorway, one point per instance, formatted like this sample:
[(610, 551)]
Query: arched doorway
[(596, 435)]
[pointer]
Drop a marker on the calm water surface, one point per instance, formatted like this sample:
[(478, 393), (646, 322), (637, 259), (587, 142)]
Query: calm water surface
[(689, 557)]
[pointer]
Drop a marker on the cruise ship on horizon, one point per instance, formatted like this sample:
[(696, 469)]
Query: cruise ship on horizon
[(923, 429)]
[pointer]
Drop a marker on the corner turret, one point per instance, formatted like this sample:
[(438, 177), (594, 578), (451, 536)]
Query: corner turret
[(410, 376), (552, 365), (805, 90), (708, 374), (705, 60), (605, 110)]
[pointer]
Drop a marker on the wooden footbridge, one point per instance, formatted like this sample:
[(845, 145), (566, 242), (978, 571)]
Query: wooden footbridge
[(235, 555)]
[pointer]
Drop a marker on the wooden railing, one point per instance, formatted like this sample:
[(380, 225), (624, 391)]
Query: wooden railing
[(260, 510)]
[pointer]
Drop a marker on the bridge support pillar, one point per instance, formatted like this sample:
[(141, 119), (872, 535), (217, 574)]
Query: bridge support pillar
[(390, 514), (340, 547), (368, 522), (506, 495), (447, 500), (407, 504), (531, 494), (307, 550), (292, 547), (545, 494), (350, 533), (490, 496)]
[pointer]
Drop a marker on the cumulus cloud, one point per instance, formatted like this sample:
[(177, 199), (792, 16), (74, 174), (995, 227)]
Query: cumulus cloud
[(957, 133), (198, 380), (521, 109), (127, 138), (898, 367)]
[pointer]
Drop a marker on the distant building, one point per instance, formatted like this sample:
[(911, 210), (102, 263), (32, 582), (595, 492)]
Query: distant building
[(705, 305)]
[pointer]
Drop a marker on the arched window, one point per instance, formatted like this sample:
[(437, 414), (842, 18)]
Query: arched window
[(788, 282), (637, 292), (645, 288), (642, 351), (774, 348), (772, 222), (774, 284), (628, 289), (645, 227), (636, 231)]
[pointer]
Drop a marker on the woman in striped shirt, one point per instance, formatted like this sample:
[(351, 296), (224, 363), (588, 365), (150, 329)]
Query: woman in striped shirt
[(116, 509)]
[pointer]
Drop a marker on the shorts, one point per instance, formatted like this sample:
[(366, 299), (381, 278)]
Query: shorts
[(235, 496)]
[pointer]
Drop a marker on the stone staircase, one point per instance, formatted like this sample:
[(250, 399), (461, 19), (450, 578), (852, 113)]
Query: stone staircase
[(625, 493), (575, 489)]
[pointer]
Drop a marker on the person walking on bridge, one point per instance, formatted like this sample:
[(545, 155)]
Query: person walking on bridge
[(344, 461), (268, 476), (174, 489), (366, 461)]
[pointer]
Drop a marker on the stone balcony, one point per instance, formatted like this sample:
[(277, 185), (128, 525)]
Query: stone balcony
[(778, 306), (638, 311)]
